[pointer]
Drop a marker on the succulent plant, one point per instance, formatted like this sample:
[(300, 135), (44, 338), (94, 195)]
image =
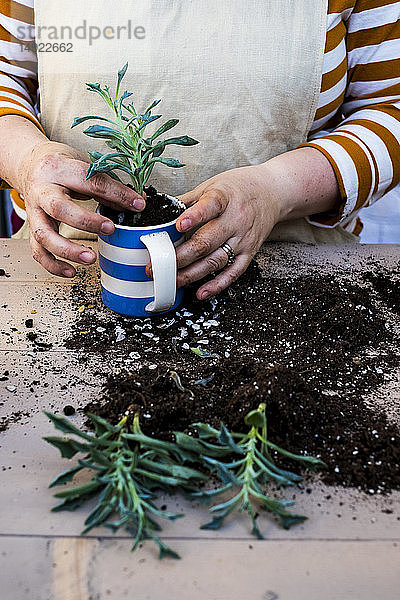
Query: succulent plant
[(130, 470), (133, 152)]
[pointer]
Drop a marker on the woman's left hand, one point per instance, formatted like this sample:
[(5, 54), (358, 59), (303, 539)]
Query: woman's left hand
[(240, 208), (235, 208)]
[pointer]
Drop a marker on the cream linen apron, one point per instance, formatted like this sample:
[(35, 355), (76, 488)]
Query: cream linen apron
[(243, 77)]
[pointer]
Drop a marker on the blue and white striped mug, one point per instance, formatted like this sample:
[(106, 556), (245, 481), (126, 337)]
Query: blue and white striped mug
[(123, 256)]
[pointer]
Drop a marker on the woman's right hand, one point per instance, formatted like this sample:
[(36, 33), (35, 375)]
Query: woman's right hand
[(48, 177)]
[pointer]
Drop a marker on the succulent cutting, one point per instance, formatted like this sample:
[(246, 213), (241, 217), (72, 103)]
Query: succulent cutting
[(134, 152), (130, 470)]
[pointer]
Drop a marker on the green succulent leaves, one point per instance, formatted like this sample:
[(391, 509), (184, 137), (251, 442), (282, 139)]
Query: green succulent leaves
[(130, 469), (124, 133), (248, 468), (127, 468)]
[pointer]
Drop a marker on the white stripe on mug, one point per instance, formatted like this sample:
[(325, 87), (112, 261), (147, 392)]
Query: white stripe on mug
[(127, 256), (128, 289)]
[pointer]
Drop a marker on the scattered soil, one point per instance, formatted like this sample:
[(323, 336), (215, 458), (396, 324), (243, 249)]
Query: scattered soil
[(159, 210), (388, 290), (15, 417), (37, 343), (311, 347)]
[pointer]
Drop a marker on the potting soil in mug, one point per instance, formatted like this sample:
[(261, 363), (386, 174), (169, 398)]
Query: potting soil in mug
[(314, 348), (158, 210)]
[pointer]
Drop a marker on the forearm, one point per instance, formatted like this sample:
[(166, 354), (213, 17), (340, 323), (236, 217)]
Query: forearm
[(304, 182), (18, 137)]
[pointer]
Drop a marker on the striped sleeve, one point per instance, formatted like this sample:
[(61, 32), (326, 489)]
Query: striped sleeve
[(18, 61), (359, 131)]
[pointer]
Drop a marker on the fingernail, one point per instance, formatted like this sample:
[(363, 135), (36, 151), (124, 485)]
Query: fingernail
[(87, 257), (205, 295), (139, 204), (107, 227), (185, 224), (68, 273)]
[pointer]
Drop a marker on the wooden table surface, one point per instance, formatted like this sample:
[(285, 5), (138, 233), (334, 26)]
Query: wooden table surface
[(43, 556)]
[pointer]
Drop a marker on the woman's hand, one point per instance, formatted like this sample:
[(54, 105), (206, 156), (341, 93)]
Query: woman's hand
[(240, 208), (49, 176), (235, 207)]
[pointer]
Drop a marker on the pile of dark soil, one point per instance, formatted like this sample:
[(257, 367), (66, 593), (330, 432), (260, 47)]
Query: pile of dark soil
[(311, 347), (360, 447), (159, 210)]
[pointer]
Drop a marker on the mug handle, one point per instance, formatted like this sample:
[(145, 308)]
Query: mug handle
[(163, 259)]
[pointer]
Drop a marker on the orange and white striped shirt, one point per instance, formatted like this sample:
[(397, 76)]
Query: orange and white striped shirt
[(357, 122)]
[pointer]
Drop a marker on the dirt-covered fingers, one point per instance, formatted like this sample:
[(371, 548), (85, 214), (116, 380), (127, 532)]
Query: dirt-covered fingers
[(216, 261), (103, 188), (54, 163), (49, 262), (204, 242), (211, 205), (56, 203), (225, 278), (44, 233), (192, 196)]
